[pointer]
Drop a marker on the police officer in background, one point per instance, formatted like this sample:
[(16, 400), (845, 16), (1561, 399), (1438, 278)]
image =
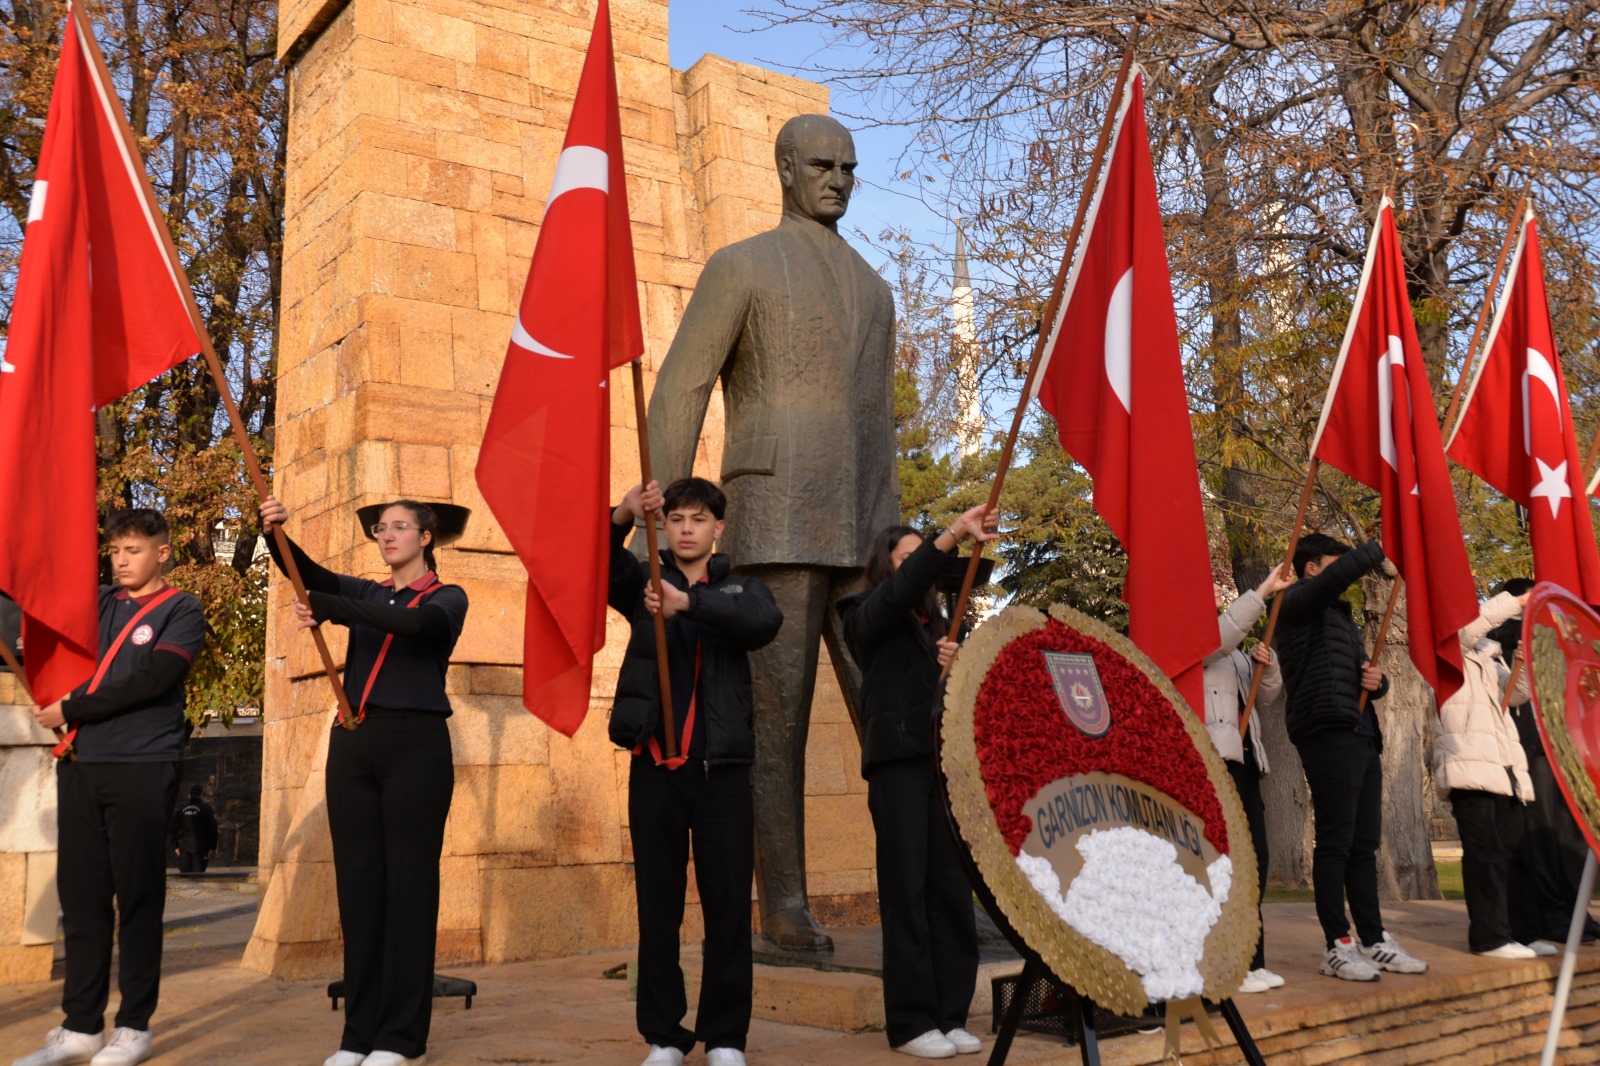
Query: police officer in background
[(194, 833)]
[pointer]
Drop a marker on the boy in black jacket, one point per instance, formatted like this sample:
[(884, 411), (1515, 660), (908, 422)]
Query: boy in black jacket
[(1326, 668), (114, 798), (714, 617)]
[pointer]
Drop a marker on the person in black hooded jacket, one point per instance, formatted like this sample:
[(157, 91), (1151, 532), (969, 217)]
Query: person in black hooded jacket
[(714, 619), (1326, 669), (896, 633)]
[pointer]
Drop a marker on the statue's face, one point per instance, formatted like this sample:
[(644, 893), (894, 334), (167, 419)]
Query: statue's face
[(819, 173)]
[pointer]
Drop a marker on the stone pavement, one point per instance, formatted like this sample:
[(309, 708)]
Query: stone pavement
[(566, 1011)]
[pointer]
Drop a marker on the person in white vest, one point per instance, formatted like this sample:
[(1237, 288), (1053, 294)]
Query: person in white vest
[(1227, 678), (1480, 767)]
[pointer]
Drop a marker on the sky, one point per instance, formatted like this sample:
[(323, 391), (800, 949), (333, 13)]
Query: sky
[(725, 28)]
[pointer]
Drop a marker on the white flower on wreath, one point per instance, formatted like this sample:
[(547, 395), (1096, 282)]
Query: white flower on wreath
[(1133, 899)]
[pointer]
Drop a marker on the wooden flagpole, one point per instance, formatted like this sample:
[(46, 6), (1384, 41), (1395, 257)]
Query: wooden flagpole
[(1483, 314), (213, 364), (662, 673), (1259, 668), (1046, 320)]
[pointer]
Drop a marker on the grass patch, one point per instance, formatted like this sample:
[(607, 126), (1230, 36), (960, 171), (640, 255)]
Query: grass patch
[(1449, 885)]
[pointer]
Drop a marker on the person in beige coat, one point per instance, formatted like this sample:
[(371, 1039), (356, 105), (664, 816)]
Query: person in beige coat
[(1227, 680), (1480, 767)]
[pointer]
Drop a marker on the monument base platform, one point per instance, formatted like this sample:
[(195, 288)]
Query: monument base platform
[(1466, 1009), (840, 990)]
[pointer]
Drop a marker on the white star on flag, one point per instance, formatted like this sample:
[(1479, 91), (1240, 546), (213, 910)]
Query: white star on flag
[(1552, 485)]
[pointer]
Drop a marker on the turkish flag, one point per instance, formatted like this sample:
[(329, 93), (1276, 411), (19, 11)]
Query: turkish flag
[(1113, 380), (1516, 430), (1380, 427), (545, 466), (101, 308)]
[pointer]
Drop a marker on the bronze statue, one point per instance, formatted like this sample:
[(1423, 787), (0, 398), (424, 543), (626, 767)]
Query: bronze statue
[(800, 330)]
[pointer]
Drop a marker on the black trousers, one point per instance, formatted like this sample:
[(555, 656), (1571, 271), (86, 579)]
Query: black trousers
[(1491, 828), (112, 846), (1346, 779), (1549, 861), (713, 811), (1247, 779), (192, 862), (389, 787), (930, 939)]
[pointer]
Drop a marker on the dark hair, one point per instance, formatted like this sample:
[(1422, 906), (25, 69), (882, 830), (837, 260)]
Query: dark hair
[(694, 492), (1314, 546), (1515, 585), (137, 522), (427, 522), (880, 566), (196, 790)]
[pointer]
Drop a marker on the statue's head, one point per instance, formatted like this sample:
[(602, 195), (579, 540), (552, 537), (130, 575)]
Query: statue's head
[(816, 166)]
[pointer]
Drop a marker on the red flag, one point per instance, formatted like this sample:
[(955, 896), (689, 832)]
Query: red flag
[(1516, 430), (1380, 427), (1113, 380), (545, 465), (100, 309)]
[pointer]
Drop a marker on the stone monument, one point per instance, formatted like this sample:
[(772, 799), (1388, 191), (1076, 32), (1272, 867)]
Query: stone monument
[(422, 141)]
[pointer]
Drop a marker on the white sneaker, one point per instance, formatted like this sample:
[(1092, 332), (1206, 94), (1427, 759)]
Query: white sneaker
[(344, 1058), (393, 1058), (63, 1046), (1388, 955), (930, 1045), (1254, 983), (663, 1056), (126, 1047), (1346, 961), (965, 1042), (1509, 950), (1272, 979), (725, 1056), (1542, 948)]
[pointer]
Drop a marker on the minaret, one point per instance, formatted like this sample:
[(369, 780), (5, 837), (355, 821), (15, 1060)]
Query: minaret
[(969, 433)]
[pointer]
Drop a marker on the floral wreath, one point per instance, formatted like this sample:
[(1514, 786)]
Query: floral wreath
[(1136, 924), (1564, 668)]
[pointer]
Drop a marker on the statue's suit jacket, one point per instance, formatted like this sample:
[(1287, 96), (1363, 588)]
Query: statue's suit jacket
[(801, 331)]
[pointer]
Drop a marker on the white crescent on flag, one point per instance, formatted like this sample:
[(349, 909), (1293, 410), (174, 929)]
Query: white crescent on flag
[(1395, 356), (580, 167), (1539, 368), (1119, 340)]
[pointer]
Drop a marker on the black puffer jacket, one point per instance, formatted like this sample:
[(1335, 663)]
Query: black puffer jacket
[(737, 614), (898, 653), (1321, 648)]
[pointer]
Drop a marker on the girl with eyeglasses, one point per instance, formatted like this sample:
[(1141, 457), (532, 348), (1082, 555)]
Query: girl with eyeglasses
[(389, 772)]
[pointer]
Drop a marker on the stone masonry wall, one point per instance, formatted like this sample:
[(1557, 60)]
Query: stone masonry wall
[(28, 909), (423, 139)]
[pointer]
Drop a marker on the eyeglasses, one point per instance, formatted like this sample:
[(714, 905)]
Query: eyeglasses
[(399, 527)]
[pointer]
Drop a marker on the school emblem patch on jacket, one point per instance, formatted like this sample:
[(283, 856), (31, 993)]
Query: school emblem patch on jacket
[(142, 635)]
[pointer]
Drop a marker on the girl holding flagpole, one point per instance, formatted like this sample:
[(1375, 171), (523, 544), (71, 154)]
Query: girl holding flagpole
[(895, 632), (389, 773)]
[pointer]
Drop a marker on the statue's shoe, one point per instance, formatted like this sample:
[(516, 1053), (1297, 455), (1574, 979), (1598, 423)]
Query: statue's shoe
[(795, 928)]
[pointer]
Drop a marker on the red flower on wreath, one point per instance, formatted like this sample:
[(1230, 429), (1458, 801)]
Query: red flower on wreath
[(1025, 742)]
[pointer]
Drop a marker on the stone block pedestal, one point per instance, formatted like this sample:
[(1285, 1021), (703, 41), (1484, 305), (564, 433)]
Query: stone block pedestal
[(28, 906)]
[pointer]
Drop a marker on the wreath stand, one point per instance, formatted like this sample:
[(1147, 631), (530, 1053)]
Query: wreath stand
[(1082, 1011)]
